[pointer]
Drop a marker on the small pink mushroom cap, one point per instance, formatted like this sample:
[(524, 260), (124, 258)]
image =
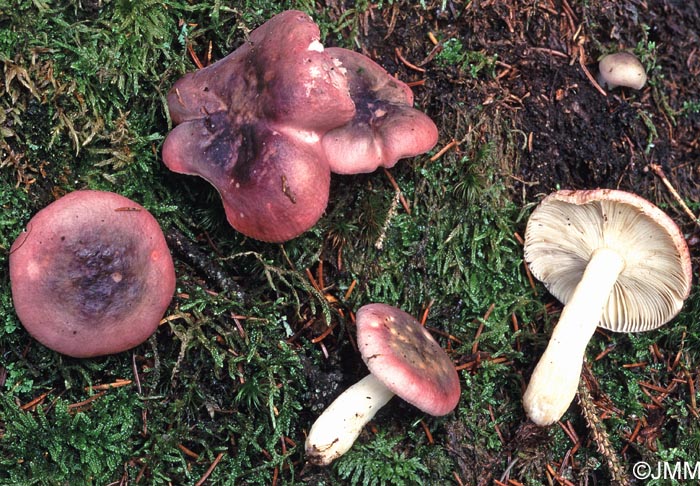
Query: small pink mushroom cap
[(385, 127), (251, 124), (403, 355), (91, 275)]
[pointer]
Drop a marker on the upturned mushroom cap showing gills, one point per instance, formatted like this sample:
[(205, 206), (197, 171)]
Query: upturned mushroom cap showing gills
[(403, 355), (91, 275), (251, 124), (616, 261), (569, 226)]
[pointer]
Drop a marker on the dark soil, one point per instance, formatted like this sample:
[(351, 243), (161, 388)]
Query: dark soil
[(570, 134)]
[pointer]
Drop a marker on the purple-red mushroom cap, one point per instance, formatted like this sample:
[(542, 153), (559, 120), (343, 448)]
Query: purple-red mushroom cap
[(404, 360), (251, 124), (385, 127), (273, 187), (403, 355), (91, 275)]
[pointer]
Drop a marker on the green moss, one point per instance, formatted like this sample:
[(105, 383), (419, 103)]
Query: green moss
[(381, 463), (473, 63), (57, 445), (227, 375)]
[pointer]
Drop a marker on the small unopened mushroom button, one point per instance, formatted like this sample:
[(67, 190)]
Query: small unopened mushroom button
[(621, 69)]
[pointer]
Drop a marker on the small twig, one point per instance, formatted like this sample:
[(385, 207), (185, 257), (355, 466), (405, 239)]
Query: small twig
[(86, 402), (420, 82), (569, 432), (639, 364), (324, 334), (319, 275), (429, 435), (480, 329), (313, 281), (324, 350), (208, 472), (570, 15), (443, 334), (194, 56), (691, 389), (591, 78), (604, 352), (135, 369), (528, 273), (495, 424), (141, 473), (396, 187), (36, 401), (424, 317), (443, 150), (108, 386), (633, 436), (188, 452), (350, 289), (407, 63), (516, 328), (475, 363), (656, 168), (549, 51), (557, 477)]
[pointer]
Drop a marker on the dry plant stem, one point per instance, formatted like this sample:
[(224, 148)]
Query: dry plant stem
[(600, 436), (553, 384), (662, 175), (336, 430)]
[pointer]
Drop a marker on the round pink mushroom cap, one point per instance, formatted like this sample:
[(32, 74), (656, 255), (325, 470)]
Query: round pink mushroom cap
[(91, 275), (403, 355)]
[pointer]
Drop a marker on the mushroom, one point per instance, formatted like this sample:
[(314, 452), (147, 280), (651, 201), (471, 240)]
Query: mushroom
[(403, 359), (621, 69), (616, 261), (251, 124), (91, 275), (385, 127)]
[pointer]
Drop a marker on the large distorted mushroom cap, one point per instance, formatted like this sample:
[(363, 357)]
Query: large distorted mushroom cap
[(385, 127), (272, 186), (255, 119), (281, 72), (568, 226), (91, 275), (404, 356)]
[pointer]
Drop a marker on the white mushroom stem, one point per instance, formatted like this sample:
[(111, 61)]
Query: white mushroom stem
[(553, 384), (335, 431)]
